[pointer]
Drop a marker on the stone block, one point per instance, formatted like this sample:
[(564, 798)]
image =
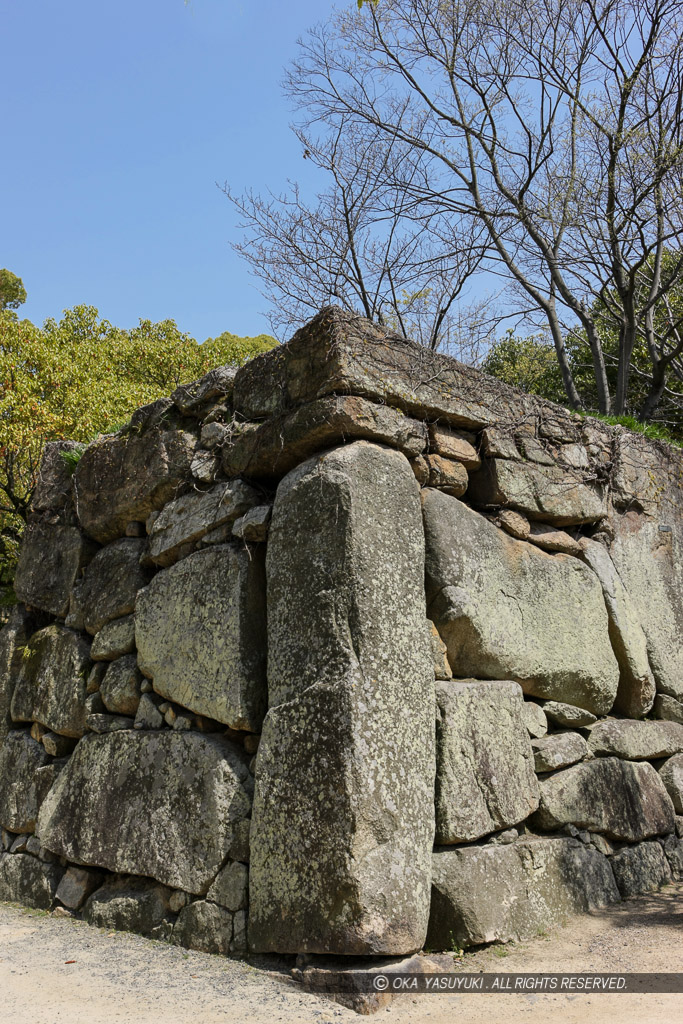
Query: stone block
[(161, 804), (185, 521), (109, 586), (50, 559), (636, 741), (115, 639), (13, 639), (534, 719), (668, 709), (20, 796), (129, 905), (201, 635), (641, 868), (51, 686), (124, 477), (215, 386), (120, 688), (343, 820), (28, 880), (567, 715), (453, 444), (231, 887), (540, 492), (76, 885), (671, 774), (53, 490), (486, 893), (558, 750), (502, 607), (204, 926), (485, 777), (281, 443), (622, 799)]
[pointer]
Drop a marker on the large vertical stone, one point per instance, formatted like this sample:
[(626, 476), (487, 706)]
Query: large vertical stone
[(20, 791), (51, 686), (201, 634), (13, 639), (343, 819), (51, 556)]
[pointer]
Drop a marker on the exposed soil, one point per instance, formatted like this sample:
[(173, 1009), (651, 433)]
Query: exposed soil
[(123, 978)]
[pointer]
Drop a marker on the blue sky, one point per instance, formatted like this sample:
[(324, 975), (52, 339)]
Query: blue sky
[(119, 117)]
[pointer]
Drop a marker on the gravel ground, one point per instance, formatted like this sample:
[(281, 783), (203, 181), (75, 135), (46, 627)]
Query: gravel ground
[(123, 978)]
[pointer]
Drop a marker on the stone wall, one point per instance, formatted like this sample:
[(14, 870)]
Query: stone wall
[(350, 651)]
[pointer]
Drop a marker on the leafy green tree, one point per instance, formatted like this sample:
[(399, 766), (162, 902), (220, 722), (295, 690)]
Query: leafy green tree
[(12, 291), (81, 376), (529, 363)]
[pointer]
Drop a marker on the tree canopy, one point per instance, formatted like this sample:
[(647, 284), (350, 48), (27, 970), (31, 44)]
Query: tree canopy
[(12, 291), (81, 376)]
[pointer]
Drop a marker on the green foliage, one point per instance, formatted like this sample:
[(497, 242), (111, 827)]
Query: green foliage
[(12, 291), (655, 431), (81, 376), (529, 363)]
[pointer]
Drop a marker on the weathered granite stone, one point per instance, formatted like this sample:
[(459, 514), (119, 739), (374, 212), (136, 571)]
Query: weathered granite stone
[(647, 550), (567, 715), (636, 691), (231, 887), (128, 904), (13, 639), (502, 607), (549, 538), (120, 688), (51, 687), (283, 442), (454, 444), (115, 639), (668, 709), (204, 926), (125, 477), (109, 585), (28, 880), (636, 741), (640, 868), (673, 851), (186, 520), (20, 756), (53, 490), (558, 750), (254, 525), (341, 862), (503, 893), (58, 746), (671, 774), (339, 352), (513, 523), (148, 715), (214, 386), (442, 670), (76, 885), (622, 799), (100, 722), (485, 777), (447, 474), (534, 719), (160, 804), (51, 556), (201, 635), (540, 492), (205, 466), (213, 434)]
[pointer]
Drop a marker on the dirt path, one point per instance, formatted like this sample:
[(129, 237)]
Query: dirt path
[(118, 978)]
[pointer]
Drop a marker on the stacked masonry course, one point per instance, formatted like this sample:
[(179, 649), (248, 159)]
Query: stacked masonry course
[(348, 651)]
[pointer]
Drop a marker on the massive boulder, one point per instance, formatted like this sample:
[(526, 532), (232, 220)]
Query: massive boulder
[(484, 764), (20, 790), (51, 686), (502, 606), (52, 555), (504, 893), (161, 804), (124, 477), (201, 634), (621, 799), (343, 819), (109, 586)]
